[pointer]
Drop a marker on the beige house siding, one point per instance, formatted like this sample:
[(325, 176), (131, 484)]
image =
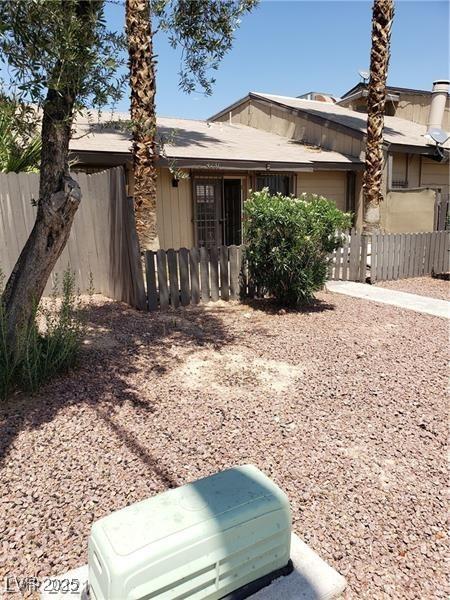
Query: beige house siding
[(174, 212), (435, 174), (414, 162), (175, 205), (400, 168), (330, 184), (412, 107), (416, 107), (419, 171), (290, 124)]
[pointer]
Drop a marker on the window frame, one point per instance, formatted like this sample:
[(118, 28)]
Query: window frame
[(291, 176)]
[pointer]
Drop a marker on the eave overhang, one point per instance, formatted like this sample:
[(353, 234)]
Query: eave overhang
[(94, 158)]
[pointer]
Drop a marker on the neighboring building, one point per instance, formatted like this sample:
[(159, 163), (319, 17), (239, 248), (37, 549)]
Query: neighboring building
[(405, 103), (318, 97), (291, 145)]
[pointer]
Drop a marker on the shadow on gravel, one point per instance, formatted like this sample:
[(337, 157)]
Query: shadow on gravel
[(124, 350), (130, 441), (272, 307)]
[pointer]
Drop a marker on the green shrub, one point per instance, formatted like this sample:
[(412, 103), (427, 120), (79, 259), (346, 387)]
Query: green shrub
[(49, 346), (288, 243)]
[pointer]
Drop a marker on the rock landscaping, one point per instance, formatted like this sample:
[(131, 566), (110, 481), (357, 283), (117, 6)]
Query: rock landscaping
[(433, 287), (343, 405)]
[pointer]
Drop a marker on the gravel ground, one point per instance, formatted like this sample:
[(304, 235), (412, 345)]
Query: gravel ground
[(344, 406), (423, 286)]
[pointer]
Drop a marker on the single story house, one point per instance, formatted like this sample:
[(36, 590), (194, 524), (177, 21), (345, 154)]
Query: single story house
[(289, 144)]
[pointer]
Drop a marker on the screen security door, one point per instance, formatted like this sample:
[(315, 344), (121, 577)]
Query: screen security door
[(208, 212), (217, 211)]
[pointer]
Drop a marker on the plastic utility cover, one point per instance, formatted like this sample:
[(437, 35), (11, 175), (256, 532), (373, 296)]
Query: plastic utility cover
[(200, 541)]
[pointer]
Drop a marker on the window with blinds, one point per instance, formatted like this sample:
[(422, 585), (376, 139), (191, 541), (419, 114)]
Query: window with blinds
[(281, 184)]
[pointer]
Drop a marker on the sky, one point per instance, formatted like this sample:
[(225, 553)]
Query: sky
[(293, 47)]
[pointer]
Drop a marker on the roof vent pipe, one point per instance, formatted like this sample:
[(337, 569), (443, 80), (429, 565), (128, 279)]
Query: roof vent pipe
[(439, 96)]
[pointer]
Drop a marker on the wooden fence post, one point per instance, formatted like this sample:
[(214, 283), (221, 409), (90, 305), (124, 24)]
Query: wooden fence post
[(363, 261), (161, 264), (373, 257), (173, 278), (194, 260), (138, 299), (214, 271), (204, 274), (152, 293), (224, 285), (234, 272), (183, 259), (355, 247)]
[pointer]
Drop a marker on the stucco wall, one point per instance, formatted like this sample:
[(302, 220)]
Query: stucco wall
[(408, 211)]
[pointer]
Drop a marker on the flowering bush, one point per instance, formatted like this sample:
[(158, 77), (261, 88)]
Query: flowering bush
[(289, 241)]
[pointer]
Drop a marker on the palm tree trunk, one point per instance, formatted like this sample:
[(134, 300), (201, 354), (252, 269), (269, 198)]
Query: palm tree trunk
[(382, 16), (143, 116)]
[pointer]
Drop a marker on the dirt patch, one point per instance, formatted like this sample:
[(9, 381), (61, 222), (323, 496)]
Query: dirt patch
[(432, 287), (343, 405), (221, 371)]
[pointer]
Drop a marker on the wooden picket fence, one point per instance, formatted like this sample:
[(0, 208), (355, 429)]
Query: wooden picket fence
[(348, 263), (183, 277), (382, 257), (189, 276), (403, 255)]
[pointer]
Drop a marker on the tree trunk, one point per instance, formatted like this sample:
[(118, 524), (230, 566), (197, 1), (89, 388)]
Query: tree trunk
[(383, 14), (59, 197), (143, 116)]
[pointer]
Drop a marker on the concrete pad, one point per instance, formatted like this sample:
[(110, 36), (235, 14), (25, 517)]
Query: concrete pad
[(311, 579), (422, 304)]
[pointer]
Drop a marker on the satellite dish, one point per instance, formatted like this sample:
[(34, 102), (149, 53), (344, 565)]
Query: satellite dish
[(364, 76), (438, 135)]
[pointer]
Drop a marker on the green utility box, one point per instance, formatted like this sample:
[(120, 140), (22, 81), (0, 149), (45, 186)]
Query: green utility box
[(200, 541)]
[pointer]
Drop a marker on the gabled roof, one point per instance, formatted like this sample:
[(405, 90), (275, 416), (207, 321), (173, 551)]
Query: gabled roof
[(190, 143), (398, 132), (390, 89), (361, 91)]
